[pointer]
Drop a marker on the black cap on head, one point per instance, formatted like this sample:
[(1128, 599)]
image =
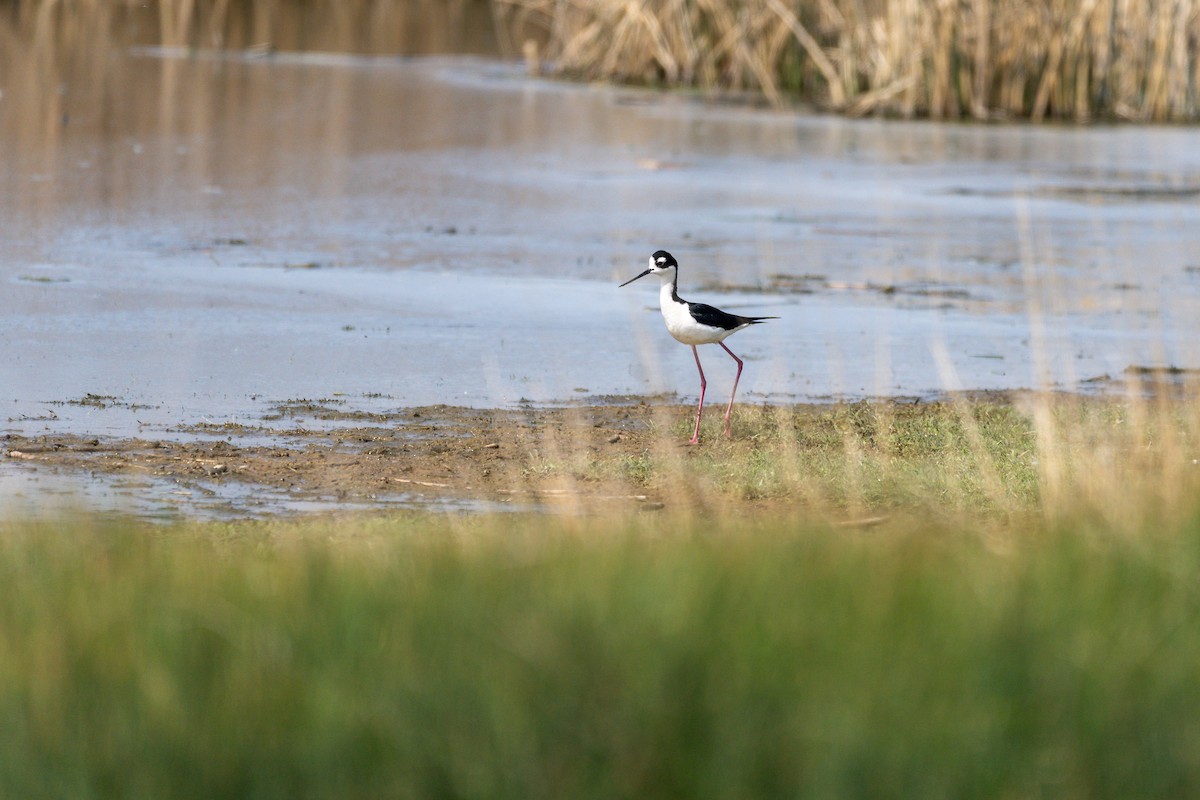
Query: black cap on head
[(661, 260)]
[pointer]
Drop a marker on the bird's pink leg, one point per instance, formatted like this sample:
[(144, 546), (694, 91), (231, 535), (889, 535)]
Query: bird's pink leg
[(729, 410), (703, 384)]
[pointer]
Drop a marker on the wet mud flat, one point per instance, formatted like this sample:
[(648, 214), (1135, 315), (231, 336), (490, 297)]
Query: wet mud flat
[(316, 456), (622, 454)]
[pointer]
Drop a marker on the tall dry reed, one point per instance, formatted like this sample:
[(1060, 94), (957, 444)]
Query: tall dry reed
[(988, 59)]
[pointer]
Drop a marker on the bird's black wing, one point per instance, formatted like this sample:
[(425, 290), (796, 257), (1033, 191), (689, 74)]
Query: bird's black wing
[(716, 318)]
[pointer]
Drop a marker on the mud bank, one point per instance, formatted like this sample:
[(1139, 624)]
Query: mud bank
[(438, 457)]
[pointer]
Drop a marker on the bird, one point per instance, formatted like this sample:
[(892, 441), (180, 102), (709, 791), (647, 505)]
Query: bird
[(695, 324)]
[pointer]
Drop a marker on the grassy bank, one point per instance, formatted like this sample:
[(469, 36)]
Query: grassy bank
[(447, 657), (961, 462), (1096, 59), (1018, 616)]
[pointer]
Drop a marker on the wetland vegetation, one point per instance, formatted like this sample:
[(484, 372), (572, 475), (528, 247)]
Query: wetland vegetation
[(423, 656), (981, 59), (934, 599), (989, 594)]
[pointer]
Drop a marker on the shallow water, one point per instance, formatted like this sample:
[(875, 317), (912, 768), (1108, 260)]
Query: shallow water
[(455, 233), (400, 232)]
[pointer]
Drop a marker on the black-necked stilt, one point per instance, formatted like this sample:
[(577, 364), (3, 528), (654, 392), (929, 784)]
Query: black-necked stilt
[(695, 323)]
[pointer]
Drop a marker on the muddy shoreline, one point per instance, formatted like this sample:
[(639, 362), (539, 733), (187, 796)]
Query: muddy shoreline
[(452, 457), (327, 455)]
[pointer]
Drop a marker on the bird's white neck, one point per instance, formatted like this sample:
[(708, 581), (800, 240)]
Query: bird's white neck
[(668, 298), (668, 291)]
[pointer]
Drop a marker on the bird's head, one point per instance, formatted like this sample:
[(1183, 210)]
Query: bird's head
[(662, 264)]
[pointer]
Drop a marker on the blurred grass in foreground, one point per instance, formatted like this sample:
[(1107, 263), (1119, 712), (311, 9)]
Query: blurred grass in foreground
[(1021, 618), (424, 656)]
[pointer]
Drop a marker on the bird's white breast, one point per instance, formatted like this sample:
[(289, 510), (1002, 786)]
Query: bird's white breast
[(680, 323)]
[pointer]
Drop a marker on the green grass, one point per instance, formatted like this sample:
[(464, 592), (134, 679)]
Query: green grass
[(1019, 616), (864, 458), (419, 656)]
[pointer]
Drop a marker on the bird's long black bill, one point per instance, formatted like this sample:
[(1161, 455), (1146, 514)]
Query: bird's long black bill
[(634, 278)]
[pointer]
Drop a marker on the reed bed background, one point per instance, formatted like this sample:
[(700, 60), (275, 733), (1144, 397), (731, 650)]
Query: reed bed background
[(1077, 60)]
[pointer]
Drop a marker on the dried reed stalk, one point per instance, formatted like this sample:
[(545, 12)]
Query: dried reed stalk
[(1037, 59)]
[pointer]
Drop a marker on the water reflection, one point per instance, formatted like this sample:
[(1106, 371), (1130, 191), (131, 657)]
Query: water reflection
[(190, 227)]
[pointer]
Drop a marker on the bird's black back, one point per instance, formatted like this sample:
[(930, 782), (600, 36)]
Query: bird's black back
[(716, 318)]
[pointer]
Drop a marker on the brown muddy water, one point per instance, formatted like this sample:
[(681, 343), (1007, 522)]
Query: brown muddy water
[(196, 236)]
